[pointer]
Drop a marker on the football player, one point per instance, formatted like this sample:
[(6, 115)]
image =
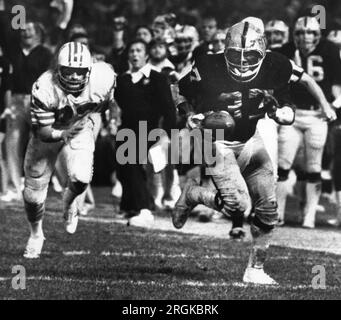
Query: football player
[(231, 91), (277, 34), (65, 114), (321, 60)]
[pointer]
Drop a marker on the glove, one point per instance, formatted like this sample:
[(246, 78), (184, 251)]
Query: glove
[(194, 121), (283, 116)]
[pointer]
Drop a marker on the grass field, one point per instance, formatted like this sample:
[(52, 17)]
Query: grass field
[(105, 259)]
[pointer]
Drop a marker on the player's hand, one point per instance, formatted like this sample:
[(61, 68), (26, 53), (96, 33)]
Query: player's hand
[(284, 115), (112, 127), (329, 113), (194, 121), (72, 132), (8, 113)]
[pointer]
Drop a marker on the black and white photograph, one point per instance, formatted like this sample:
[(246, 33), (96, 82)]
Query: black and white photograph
[(180, 153)]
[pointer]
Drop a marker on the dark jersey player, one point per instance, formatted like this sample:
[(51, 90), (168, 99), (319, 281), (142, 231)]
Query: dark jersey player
[(231, 90), (321, 60)]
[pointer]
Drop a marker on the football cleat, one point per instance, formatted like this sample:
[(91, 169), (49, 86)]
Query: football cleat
[(237, 234), (183, 206), (71, 218), (34, 247), (144, 219), (257, 276), (308, 224)]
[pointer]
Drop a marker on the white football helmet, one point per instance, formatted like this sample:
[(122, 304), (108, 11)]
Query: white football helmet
[(73, 67), (277, 33), (307, 34), (335, 37), (245, 50)]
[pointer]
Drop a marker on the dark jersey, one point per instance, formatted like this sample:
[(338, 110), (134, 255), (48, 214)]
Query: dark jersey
[(208, 85), (323, 65)]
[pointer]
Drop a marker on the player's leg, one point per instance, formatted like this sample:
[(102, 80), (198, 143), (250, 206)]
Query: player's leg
[(268, 130), (315, 138), (261, 184), (232, 195), (39, 165), (290, 138), (327, 164), (79, 157)]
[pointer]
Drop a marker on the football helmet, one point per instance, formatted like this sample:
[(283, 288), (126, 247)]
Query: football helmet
[(186, 39), (335, 37), (277, 33), (73, 67), (258, 23), (307, 34), (245, 50)]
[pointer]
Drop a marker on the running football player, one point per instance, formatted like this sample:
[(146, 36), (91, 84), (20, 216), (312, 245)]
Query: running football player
[(65, 113), (231, 91)]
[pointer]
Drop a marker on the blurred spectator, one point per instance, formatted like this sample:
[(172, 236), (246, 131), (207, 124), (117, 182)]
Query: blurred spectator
[(118, 55), (158, 53), (5, 96), (144, 33), (29, 61), (186, 40), (61, 16), (78, 33), (218, 41), (143, 95), (208, 28)]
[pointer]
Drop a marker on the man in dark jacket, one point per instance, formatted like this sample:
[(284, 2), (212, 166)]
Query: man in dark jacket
[(144, 96)]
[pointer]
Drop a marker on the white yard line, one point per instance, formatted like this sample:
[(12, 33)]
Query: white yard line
[(133, 254), (194, 284)]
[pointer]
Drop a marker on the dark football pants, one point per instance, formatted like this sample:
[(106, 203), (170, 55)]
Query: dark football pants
[(246, 169)]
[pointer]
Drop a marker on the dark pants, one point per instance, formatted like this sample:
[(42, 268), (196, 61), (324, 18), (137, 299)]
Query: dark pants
[(136, 195)]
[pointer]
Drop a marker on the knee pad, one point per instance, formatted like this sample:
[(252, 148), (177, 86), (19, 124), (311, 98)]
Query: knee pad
[(77, 187), (314, 177), (283, 174), (266, 216)]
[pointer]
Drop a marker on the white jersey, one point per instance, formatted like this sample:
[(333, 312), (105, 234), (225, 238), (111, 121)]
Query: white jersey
[(53, 106)]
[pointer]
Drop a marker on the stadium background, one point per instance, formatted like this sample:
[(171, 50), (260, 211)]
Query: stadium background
[(97, 15)]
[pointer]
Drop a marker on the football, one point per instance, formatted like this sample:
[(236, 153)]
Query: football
[(220, 120)]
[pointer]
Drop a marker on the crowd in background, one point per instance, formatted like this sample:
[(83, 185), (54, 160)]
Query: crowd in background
[(167, 36)]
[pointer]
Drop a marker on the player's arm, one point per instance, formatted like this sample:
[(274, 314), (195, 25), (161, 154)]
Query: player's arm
[(185, 103), (316, 91), (49, 134), (43, 119), (279, 106)]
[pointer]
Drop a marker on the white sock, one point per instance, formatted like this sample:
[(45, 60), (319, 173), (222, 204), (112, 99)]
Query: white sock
[(313, 192), (281, 198), (36, 229)]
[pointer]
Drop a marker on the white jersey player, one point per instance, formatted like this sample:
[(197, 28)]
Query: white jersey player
[(66, 116)]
